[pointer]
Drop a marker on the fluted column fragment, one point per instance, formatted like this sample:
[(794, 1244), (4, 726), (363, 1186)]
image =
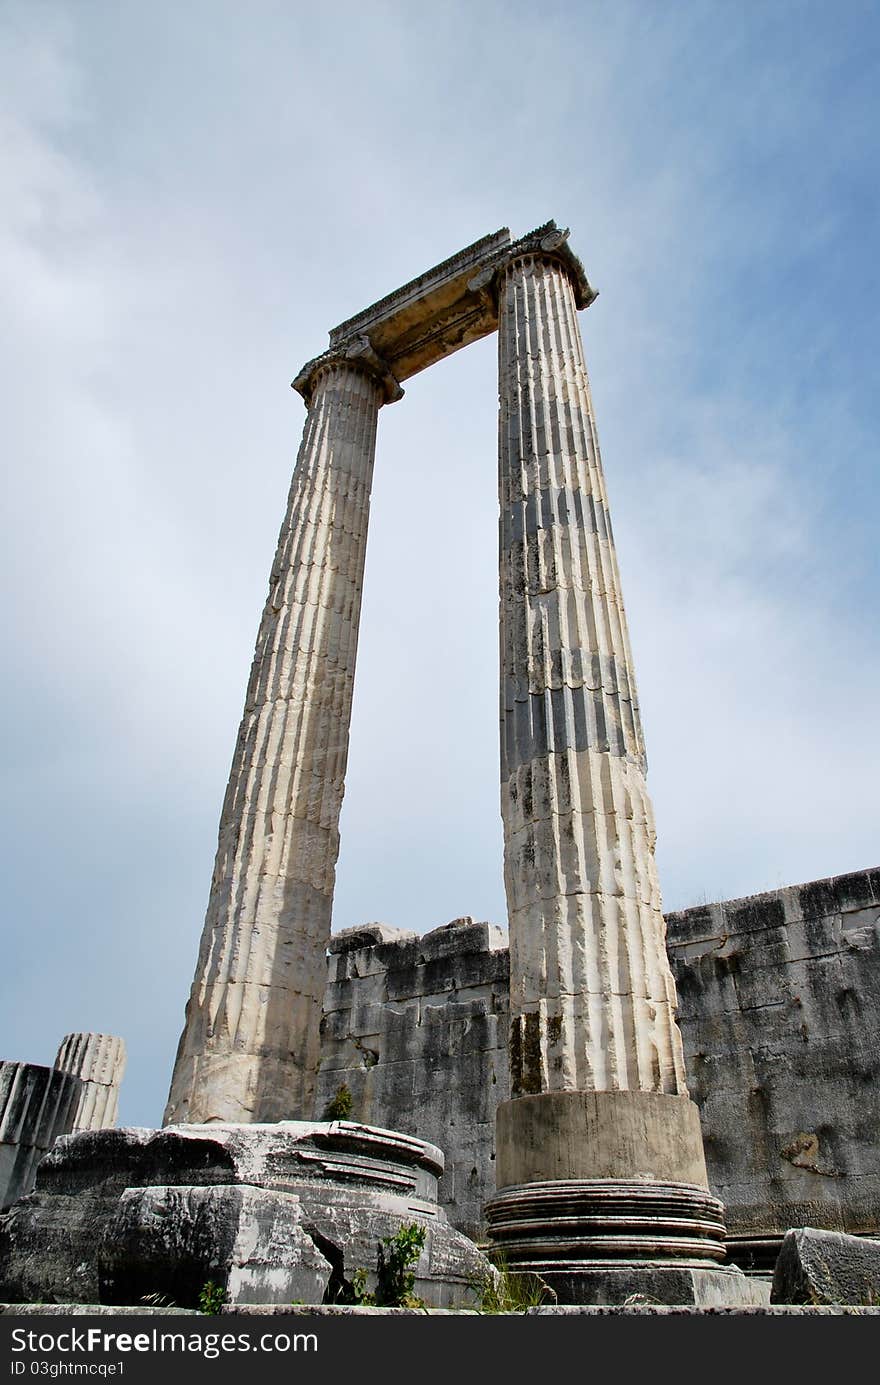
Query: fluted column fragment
[(250, 1047), (98, 1060), (37, 1105), (592, 994)]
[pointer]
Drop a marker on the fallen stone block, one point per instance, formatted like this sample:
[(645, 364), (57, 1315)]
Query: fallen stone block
[(826, 1267)]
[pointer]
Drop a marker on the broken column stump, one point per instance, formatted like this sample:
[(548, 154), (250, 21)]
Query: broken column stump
[(267, 1213)]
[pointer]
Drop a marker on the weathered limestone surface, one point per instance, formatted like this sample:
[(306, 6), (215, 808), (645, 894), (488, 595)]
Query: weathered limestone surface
[(416, 1028), (98, 1060), (433, 315), (780, 1012), (37, 1105), (271, 1212), (790, 1114), (826, 1267), (249, 1050), (592, 996), (599, 1135), (564, 1228), (248, 1241), (49, 1241)]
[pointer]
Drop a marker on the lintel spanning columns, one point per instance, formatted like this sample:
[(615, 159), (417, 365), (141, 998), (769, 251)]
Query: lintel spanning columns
[(250, 1046), (592, 993), (455, 303)]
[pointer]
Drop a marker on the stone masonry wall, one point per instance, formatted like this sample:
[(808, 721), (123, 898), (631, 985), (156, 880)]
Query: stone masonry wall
[(780, 1010), (416, 1027), (780, 1016)]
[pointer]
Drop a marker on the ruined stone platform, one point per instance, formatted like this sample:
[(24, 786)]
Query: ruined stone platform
[(271, 1214)]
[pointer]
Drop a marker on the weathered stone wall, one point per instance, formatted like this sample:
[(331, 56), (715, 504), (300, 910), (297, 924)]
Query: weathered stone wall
[(780, 1015), (416, 1027), (780, 1012)]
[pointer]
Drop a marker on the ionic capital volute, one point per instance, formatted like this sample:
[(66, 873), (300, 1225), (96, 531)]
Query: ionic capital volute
[(356, 352), (548, 242)]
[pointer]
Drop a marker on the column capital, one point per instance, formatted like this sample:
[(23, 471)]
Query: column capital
[(548, 242), (357, 352)]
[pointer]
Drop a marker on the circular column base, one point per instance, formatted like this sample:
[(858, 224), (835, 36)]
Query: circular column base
[(604, 1241), (535, 1225)]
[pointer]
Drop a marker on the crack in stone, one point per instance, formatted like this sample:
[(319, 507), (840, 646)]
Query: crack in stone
[(338, 1289)]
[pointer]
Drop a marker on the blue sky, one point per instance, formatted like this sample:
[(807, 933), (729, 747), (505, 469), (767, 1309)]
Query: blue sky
[(193, 196)]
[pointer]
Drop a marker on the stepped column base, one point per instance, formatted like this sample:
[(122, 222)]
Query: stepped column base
[(605, 1196)]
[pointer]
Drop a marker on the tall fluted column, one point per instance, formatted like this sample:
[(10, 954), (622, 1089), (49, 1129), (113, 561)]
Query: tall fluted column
[(601, 1176), (592, 994), (250, 1047)]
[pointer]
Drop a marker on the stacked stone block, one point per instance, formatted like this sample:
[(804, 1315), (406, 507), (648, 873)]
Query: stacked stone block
[(780, 1012)]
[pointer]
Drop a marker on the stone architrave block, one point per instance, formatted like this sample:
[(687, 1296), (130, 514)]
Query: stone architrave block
[(825, 1267)]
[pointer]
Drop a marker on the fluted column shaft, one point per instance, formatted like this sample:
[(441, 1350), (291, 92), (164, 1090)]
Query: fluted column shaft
[(592, 994), (98, 1060), (250, 1047)]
